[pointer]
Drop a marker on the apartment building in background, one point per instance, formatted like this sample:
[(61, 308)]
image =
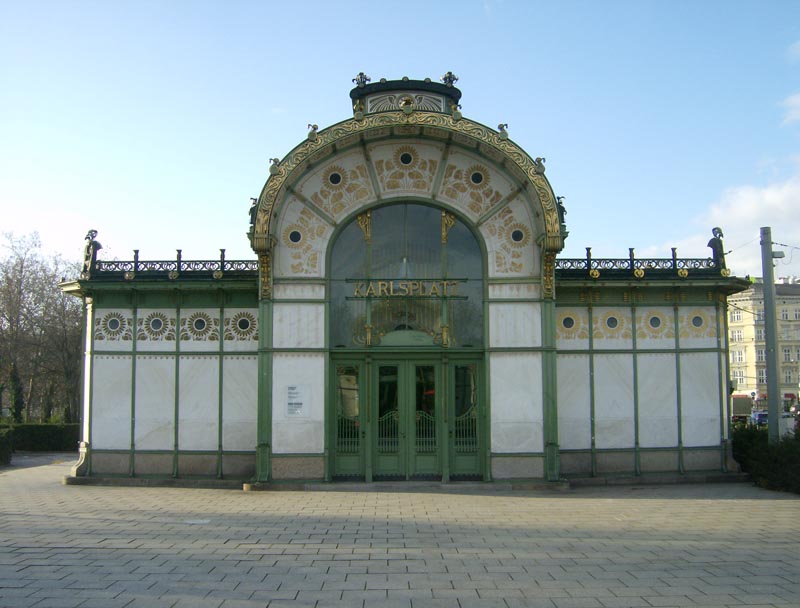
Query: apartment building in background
[(748, 353)]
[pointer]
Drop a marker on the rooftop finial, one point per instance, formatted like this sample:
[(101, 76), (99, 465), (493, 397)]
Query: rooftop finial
[(361, 80), (449, 79)]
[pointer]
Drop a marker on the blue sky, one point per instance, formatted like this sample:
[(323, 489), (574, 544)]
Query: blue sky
[(153, 122)]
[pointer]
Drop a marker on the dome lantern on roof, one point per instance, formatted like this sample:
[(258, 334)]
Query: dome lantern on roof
[(405, 94)]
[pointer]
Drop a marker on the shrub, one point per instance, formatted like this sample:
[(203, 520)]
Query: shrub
[(5, 446), (46, 437), (773, 466)]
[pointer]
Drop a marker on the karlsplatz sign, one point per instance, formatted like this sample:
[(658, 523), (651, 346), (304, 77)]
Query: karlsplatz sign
[(403, 288)]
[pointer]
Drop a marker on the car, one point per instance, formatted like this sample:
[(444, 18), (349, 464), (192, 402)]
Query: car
[(759, 418)]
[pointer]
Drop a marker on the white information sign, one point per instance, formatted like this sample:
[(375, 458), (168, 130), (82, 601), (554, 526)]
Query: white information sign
[(297, 400)]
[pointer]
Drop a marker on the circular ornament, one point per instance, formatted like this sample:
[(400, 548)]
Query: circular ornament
[(113, 324), (477, 177), (334, 177), (406, 156), (199, 324)]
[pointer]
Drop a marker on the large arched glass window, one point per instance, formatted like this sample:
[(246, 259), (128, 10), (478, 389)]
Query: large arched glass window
[(406, 275)]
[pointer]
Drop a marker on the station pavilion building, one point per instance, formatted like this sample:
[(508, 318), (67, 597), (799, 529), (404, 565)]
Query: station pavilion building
[(406, 316)]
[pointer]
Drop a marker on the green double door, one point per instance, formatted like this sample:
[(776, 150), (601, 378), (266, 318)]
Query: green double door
[(407, 419)]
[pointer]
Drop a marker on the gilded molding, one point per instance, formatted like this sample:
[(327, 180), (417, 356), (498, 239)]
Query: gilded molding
[(265, 275), (463, 131), (448, 221), (548, 274)]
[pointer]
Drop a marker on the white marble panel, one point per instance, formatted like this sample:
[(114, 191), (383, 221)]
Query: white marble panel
[(240, 330), (612, 328), (572, 328), (698, 326), (339, 196), (156, 329), (574, 402), (111, 402), (300, 432), (509, 236), (700, 399), (198, 405), (239, 402), (200, 329), (516, 402), (499, 291), (298, 291), (155, 402), (113, 329), (302, 241), (613, 409), (516, 324), (416, 178), (298, 325), (658, 401), (655, 327), (458, 187)]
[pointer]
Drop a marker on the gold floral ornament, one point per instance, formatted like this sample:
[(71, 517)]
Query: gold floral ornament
[(155, 326), (242, 326), (594, 273), (199, 326), (683, 273), (638, 273), (114, 325)]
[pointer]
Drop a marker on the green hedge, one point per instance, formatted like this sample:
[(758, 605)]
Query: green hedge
[(776, 467), (5, 446), (45, 437)]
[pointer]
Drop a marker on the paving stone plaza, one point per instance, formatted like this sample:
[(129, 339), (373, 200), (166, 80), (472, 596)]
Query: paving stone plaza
[(604, 547)]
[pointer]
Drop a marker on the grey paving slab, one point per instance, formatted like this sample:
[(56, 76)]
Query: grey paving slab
[(590, 547)]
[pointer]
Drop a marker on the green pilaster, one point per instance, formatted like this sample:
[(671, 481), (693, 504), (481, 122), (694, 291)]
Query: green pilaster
[(636, 448), (88, 386), (679, 404), (264, 432), (135, 315), (550, 392), (220, 376), (176, 415)]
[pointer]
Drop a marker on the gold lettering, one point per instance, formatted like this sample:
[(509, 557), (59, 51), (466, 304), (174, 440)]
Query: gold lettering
[(358, 292), (383, 288), (370, 290), (403, 285), (454, 286), (414, 286), (435, 288)]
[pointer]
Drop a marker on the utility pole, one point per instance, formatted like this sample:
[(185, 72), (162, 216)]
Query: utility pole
[(771, 334)]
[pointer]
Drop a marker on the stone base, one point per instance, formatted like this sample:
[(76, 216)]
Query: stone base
[(286, 466), (517, 467)]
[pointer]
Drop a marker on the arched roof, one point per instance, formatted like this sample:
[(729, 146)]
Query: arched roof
[(443, 129)]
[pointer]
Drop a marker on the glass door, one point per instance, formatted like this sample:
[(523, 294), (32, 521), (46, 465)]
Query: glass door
[(407, 421)]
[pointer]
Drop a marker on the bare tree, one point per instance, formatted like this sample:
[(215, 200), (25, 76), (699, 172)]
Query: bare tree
[(40, 329)]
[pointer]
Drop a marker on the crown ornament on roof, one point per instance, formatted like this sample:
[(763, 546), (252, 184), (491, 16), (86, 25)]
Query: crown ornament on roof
[(361, 80), (449, 79)]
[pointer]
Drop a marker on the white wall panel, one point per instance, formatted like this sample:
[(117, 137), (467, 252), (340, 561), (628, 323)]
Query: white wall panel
[(239, 402), (574, 402), (516, 402), (658, 401), (155, 402), (613, 376), (515, 325), (700, 395), (298, 434), (198, 405), (111, 402), (298, 325)]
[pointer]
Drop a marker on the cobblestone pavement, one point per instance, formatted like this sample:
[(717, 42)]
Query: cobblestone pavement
[(610, 547)]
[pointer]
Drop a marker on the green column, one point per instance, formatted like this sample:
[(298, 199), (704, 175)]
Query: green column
[(264, 432), (552, 465)]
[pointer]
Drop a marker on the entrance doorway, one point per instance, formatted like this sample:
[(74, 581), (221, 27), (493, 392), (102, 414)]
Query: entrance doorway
[(401, 419)]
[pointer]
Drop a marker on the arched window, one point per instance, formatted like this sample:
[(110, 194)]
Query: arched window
[(406, 275)]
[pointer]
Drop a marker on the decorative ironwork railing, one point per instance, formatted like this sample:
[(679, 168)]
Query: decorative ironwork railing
[(131, 269), (594, 268)]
